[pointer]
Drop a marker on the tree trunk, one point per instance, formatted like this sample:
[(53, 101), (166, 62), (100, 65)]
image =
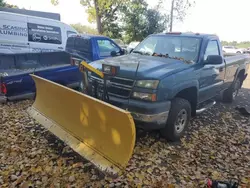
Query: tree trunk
[(98, 17), (171, 16)]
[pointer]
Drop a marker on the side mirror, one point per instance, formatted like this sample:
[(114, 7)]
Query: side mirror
[(214, 60), (122, 51), (113, 53)]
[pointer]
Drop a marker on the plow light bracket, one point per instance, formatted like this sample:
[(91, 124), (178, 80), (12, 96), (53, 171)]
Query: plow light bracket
[(110, 70), (83, 66)]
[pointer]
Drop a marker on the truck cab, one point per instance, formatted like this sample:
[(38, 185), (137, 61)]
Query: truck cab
[(169, 77), (92, 47)]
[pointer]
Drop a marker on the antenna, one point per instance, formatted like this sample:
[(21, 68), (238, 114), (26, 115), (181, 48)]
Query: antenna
[(138, 65)]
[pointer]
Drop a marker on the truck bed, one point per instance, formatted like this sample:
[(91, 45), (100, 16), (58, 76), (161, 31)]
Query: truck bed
[(15, 71)]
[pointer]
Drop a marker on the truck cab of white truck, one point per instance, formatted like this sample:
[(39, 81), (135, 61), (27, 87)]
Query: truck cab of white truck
[(24, 33)]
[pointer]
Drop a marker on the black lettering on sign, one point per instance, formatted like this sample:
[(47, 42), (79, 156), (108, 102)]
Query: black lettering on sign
[(44, 33), (13, 30)]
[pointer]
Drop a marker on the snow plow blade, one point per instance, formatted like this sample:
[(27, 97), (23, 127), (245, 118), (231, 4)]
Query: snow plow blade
[(101, 133)]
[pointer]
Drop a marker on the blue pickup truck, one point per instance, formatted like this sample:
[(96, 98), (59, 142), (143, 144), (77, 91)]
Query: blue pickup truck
[(16, 84), (170, 77)]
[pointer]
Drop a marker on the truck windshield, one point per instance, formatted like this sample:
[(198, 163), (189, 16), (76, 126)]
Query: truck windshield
[(179, 47)]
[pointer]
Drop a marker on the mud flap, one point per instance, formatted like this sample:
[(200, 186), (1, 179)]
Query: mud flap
[(98, 131)]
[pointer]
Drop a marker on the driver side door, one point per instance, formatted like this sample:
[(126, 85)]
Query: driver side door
[(105, 47), (212, 75)]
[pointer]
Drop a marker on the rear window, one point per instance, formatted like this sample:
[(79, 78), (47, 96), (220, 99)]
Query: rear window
[(78, 44), (70, 42)]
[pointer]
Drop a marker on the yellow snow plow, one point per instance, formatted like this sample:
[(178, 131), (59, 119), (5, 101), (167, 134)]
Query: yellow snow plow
[(100, 132)]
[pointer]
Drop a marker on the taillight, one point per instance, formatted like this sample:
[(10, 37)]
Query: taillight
[(3, 88), (72, 62), (75, 62)]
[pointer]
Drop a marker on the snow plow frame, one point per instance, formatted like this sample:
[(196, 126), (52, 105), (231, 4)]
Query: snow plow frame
[(101, 133)]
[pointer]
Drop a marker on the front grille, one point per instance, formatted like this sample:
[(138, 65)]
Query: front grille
[(119, 87)]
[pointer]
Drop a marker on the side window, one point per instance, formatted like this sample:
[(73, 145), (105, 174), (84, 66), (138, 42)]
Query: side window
[(70, 43), (44, 33), (82, 44), (212, 49), (106, 47)]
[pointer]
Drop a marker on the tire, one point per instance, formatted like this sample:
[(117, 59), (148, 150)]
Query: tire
[(238, 52), (179, 107), (231, 93)]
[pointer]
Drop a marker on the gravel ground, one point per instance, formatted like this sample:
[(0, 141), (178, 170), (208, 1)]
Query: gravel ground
[(216, 146)]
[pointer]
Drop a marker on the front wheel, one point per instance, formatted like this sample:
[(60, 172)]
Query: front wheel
[(231, 93), (178, 119)]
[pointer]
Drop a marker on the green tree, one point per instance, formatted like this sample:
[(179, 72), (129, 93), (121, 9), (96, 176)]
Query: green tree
[(84, 29), (134, 20), (2, 3), (103, 12), (139, 21), (178, 10), (6, 5), (156, 22)]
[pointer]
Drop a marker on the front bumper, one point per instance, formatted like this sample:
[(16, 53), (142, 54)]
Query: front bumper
[(151, 121), (147, 115)]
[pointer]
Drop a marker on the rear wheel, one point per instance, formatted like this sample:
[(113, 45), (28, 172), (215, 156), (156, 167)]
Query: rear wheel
[(178, 119), (230, 94)]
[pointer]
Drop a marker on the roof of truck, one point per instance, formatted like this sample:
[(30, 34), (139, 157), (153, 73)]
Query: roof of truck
[(88, 36), (188, 34)]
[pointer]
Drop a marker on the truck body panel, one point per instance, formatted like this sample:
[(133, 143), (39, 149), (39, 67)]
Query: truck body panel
[(189, 73)]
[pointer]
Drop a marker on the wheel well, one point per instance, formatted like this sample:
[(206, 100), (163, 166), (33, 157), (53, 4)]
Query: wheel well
[(189, 94)]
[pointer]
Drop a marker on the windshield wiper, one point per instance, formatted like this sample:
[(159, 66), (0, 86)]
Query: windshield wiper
[(182, 59), (142, 53), (138, 52), (178, 58)]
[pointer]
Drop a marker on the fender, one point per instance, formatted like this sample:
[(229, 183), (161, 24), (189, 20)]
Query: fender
[(185, 85), (240, 68)]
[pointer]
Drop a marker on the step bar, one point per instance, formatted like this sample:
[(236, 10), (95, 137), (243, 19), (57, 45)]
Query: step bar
[(199, 111)]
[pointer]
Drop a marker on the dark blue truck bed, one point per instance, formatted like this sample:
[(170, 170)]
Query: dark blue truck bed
[(15, 69)]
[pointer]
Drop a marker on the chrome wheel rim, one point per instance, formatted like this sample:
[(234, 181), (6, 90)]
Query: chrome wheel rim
[(181, 121)]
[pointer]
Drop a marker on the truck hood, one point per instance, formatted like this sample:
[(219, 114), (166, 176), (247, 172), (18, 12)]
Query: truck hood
[(149, 67)]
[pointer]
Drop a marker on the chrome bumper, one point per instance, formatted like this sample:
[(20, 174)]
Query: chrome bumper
[(159, 119)]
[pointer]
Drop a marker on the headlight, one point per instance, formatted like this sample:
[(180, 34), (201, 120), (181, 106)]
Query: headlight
[(145, 96), (150, 84), (110, 69)]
